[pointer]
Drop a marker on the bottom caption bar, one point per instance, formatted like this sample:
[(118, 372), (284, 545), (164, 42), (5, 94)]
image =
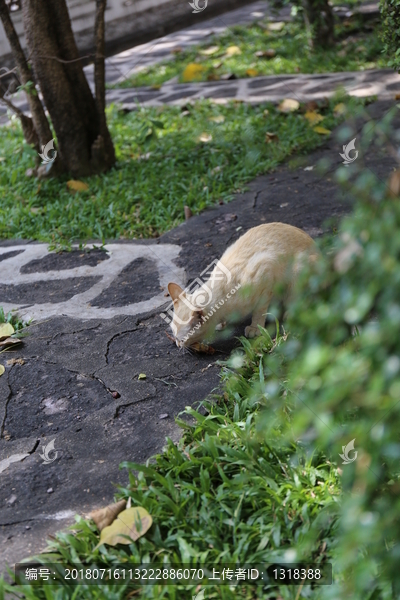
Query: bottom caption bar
[(178, 574)]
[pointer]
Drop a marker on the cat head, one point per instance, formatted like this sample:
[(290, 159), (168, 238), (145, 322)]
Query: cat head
[(187, 323)]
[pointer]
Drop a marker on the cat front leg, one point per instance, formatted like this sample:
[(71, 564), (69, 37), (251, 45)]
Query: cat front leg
[(257, 318)]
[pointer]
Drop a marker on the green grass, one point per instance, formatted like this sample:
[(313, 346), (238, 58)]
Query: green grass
[(221, 495), (158, 171), (358, 47)]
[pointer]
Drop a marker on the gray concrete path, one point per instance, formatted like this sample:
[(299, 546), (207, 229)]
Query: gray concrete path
[(383, 83), (75, 379)]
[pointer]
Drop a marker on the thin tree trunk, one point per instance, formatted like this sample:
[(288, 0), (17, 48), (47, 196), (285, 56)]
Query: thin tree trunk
[(84, 144), (40, 123), (319, 21), (99, 65)]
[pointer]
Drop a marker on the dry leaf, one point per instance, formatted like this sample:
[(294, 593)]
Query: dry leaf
[(142, 376), (188, 213), (103, 517), (232, 50), (251, 73), (6, 329), (271, 137), (218, 119), (77, 186), (339, 109), (270, 53), (132, 522), (192, 71), (205, 138), (176, 50), (313, 117), (394, 184), (203, 348), (322, 130), (397, 97), (16, 361), (2, 369), (278, 26), (10, 342), (213, 77), (209, 51), (288, 105), (311, 105)]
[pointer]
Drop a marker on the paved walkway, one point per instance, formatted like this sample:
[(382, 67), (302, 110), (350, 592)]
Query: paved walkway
[(384, 84)]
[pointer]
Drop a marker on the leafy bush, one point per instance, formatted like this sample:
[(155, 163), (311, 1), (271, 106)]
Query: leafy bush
[(341, 371), (390, 11)]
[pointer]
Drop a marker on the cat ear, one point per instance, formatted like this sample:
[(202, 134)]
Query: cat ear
[(174, 290)]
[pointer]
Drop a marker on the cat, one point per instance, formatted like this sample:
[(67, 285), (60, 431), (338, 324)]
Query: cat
[(242, 283)]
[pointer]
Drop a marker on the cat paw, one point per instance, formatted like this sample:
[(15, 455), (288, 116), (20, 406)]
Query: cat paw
[(220, 326), (251, 332)]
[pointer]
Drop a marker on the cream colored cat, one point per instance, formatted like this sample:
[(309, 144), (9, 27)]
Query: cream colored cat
[(241, 283)]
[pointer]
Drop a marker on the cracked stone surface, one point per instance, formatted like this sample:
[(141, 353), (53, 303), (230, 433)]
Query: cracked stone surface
[(78, 384)]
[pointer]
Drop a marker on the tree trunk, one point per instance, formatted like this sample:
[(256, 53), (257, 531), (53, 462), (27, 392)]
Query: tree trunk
[(38, 130), (84, 142), (319, 21)]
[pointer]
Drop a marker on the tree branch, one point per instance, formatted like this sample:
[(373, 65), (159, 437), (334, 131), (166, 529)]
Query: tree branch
[(39, 120)]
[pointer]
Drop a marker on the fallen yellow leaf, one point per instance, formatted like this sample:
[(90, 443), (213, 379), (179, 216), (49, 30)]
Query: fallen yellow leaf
[(77, 186), (103, 517), (209, 51), (322, 130), (232, 50), (339, 109), (288, 105), (313, 117), (130, 525), (142, 376), (205, 137), (278, 26), (217, 119), (192, 71), (6, 329), (2, 369), (251, 73)]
